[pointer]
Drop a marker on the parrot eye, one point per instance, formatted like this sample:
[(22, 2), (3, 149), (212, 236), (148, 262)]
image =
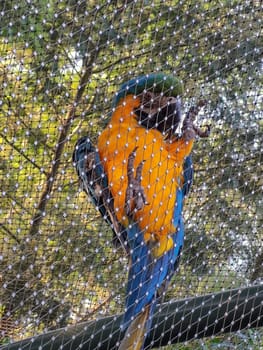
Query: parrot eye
[(159, 112), (171, 100)]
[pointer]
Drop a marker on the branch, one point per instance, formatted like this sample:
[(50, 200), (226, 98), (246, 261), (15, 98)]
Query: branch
[(38, 217), (89, 315), (15, 200), (23, 154), (123, 59), (176, 321), (10, 233)]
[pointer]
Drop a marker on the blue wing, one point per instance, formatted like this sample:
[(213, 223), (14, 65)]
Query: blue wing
[(94, 181), (90, 171)]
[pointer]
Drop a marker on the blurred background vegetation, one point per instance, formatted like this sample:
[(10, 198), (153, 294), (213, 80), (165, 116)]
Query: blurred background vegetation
[(61, 63)]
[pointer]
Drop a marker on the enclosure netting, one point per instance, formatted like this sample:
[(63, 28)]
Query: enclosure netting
[(61, 64)]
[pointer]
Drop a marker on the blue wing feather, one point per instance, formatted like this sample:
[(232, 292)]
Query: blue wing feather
[(88, 176), (95, 183)]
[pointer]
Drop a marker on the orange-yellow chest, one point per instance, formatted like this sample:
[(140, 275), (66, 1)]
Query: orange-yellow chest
[(161, 174)]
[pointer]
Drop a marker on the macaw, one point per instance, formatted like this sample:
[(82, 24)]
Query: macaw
[(138, 177)]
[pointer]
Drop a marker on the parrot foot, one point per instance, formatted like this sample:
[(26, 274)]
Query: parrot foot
[(202, 133), (135, 197), (190, 131)]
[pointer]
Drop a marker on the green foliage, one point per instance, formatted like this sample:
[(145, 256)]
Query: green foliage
[(61, 63)]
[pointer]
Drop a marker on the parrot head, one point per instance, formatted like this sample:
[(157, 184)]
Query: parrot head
[(159, 112), (160, 106)]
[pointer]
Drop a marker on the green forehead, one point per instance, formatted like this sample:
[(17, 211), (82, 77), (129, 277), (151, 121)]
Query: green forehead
[(167, 84)]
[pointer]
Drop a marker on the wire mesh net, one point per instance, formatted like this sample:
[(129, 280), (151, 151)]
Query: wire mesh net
[(61, 66)]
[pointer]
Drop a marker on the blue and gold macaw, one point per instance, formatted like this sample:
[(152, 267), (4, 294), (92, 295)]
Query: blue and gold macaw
[(138, 178)]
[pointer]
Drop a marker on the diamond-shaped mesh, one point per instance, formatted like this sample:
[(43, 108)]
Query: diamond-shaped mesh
[(61, 65)]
